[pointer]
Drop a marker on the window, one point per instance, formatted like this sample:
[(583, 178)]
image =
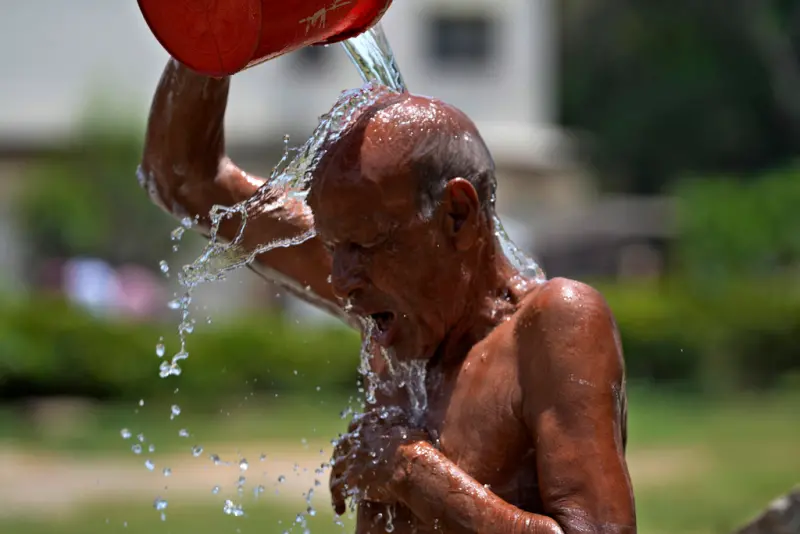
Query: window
[(463, 40)]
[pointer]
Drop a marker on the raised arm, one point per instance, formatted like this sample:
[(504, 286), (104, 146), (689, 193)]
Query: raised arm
[(186, 172)]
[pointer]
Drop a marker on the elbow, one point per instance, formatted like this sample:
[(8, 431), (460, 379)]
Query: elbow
[(147, 176), (165, 184)]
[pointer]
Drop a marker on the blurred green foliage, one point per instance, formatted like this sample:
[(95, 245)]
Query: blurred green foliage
[(669, 87), (745, 338), (730, 228), (86, 201), (50, 348)]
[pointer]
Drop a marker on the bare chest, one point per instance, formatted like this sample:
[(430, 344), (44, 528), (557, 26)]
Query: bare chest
[(475, 417)]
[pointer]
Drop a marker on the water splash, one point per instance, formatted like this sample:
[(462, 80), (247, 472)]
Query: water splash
[(371, 54), (374, 59), (229, 508), (160, 504), (526, 265)]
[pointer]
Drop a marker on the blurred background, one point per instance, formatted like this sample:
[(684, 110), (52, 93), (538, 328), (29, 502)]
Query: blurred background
[(650, 148)]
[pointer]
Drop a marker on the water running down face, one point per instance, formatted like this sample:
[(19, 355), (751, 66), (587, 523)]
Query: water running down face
[(403, 201)]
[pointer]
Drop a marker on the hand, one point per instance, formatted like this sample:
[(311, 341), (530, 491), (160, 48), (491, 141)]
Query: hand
[(366, 460)]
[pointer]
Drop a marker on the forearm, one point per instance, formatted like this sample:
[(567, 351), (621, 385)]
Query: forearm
[(184, 155), (185, 171), (438, 492)]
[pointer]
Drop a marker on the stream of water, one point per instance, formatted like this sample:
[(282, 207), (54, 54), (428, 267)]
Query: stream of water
[(374, 59)]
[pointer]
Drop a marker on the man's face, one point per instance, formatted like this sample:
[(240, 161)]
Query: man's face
[(388, 263)]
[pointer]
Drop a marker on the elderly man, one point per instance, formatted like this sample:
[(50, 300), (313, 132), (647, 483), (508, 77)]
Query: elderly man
[(524, 429)]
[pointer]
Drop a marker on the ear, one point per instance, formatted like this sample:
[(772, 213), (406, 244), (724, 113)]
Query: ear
[(461, 207)]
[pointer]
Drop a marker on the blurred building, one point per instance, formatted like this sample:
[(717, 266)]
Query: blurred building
[(495, 60)]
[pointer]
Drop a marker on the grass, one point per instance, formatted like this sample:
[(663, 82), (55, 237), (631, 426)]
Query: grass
[(739, 455), (698, 466), (98, 428), (141, 518)]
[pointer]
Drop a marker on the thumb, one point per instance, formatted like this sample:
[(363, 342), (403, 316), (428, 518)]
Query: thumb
[(339, 505)]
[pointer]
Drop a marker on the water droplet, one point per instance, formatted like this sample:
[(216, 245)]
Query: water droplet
[(149, 464), (140, 437), (125, 433), (183, 433), (177, 233), (241, 481), (310, 511), (295, 372), (137, 449), (262, 457), (281, 479), (160, 350), (232, 509), (141, 402), (160, 504), (216, 459), (176, 410), (164, 266), (167, 471), (215, 490), (174, 304), (186, 222), (243, 465), (197, 450), (299, 518)]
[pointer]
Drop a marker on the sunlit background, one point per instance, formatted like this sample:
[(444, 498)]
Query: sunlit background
[(647, 147)]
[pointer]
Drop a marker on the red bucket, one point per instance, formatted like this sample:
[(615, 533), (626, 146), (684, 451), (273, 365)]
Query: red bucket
[(223, 37)]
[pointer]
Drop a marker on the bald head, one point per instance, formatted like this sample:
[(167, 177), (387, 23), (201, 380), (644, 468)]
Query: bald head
[(433, 142)]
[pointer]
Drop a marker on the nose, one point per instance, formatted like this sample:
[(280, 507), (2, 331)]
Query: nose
[(348, 273)]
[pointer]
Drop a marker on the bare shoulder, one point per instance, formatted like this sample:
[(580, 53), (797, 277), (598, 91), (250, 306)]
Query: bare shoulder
[(562, 298), (566, 326)]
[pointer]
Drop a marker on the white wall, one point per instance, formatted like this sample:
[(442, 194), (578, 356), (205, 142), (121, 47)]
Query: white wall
[(58, 55)]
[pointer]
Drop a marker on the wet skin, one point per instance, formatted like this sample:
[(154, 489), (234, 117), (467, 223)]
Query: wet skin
[(525, 426)]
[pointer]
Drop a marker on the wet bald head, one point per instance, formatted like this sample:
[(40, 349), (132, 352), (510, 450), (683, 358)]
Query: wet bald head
[(431, 142)]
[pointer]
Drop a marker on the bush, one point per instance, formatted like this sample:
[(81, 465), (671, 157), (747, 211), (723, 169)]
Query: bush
[(50, 348), (744, 338)]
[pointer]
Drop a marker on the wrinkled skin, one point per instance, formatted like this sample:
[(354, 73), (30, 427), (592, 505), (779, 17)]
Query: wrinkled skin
[(364, 462), (525, 426)]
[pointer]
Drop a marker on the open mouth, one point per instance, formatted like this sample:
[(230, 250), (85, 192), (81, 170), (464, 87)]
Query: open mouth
[(383, 321)]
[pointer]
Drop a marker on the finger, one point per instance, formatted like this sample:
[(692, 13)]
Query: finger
[(339, 465), (342, 451), (338, 494), (363, 419)]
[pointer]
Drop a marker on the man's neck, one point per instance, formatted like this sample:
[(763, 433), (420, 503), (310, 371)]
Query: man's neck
[(493, 296)]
